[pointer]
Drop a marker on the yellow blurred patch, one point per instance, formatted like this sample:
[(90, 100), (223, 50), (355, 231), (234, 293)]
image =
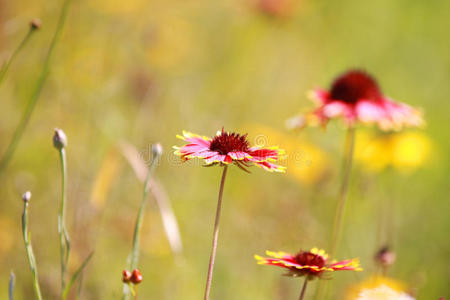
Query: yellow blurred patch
[(169, 42), (372, 286), (105, 178), (405, 151), (118, 7), (304, 161), (6, 236)]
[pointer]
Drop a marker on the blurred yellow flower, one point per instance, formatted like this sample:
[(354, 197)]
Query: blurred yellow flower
[(401, 150), (379, 288), (304, 161)]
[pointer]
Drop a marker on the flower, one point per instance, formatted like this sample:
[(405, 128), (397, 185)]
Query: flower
[(379, 288), (356, 97), (404, 151), (227, 148), (311, 263)]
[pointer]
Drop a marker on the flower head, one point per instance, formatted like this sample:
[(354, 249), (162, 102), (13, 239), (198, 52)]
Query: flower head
[(379, 288), (313, 263), (227, 148), (405, 151), (356, 97)]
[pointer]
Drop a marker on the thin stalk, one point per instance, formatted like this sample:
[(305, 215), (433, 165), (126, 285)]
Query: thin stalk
[(302, 293), (16, 52), (64, 241), (343, 194), (36, 92), (322, 287), (12, 278), (215, 235), (134, 255), (29, 250)]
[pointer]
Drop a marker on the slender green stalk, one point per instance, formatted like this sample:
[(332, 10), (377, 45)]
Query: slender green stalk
[(74, 277), (29, 250), (302, 293), (64, 241), (338, 218), (36, 91), (340, 210), (134, 255), (215, 235), (12, 278), (16, 52)]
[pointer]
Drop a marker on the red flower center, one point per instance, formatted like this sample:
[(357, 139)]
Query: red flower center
[(229, 142), (309, 259), (353, 86)]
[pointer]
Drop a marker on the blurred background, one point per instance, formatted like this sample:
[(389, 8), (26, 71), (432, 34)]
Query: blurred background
[(138, 72)]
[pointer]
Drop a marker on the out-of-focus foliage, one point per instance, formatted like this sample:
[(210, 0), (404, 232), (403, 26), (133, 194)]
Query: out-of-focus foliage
[(142, 71)]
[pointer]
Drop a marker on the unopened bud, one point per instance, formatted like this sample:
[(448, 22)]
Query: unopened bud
[(385, 257), (126, 276), (59, 139), (136, 277), (26, 197), (35, 24), (157, 150)]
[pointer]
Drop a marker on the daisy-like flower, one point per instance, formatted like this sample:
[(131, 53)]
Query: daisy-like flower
[(313, 263), (228, 148), (225, 149), (356, 97), (379, 288)]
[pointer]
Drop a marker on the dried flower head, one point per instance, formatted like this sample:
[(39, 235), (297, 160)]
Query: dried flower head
[(385, 257), (313, 263), (35, 24), (356, 97), (59, 139), (26, 196), (157, 150), (228, 148)]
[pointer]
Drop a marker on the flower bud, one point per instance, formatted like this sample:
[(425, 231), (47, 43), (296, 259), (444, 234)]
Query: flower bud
[(35, 24), (385, 257), (157, 150), (136, 277), (126, 276), (59, 139), (26, 197)]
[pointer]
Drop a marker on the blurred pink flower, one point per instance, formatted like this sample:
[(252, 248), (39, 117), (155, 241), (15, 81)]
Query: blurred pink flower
[(356, 97)]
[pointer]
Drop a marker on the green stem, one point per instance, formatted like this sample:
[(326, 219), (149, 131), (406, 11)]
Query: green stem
[(64, 241), (302, 293), (12, 278), (343, 194), (29, 250), (16, 52), (134, 255), (36, 92), (215, 235)]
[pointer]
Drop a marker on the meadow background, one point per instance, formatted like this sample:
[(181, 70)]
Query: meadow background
[(142, 71)]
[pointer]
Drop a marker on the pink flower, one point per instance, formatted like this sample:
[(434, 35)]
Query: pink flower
[(313, 263), (227, 148), (356, 97)]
